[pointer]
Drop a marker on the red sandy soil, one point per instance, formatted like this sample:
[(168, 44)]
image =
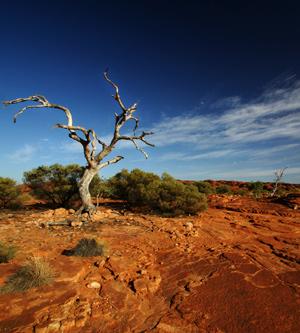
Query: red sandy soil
[(233, 269)]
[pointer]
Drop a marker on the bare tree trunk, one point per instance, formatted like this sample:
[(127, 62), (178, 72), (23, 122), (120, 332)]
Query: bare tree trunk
[(84, 191), (278, 177)]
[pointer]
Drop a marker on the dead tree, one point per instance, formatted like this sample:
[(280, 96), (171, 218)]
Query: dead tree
[(278, 176), (89, 139)]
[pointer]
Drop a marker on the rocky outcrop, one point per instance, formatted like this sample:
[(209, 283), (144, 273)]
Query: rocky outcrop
[(226, 270)]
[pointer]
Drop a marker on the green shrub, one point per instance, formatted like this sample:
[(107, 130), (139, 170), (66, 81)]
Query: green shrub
[(10, 194), (57, 184), (35, 273), (257, 188), (102, 189), (86, 248), (175, 198), (205, 187), (223, 189), (241, 192), (6, 253), (165, 195)]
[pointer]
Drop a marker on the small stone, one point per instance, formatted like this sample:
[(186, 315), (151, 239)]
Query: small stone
[(76, 224), (72, 211), (54, 326), (99, 263), (94, 285), (189, 226), (67, 325), (60, 212), (41, 329), (80, 321), (48, 213)]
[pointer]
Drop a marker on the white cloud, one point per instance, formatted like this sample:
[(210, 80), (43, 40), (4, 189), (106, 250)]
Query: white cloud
[(275, 114), (23, 154)]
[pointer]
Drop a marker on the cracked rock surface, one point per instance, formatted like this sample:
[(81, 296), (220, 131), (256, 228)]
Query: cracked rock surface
[(233, 268)]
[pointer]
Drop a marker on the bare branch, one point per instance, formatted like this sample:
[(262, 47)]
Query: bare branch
[(73, 128), (117, 96), (278, 176), (43, 102), (138, 137), (120, 120), (112, 161)]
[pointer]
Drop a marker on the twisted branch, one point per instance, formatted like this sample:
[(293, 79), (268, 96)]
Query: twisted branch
[(43, 103)]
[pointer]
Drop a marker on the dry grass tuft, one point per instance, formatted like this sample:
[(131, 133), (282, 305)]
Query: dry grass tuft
[(86, 248), (35, 273), (6, 253)]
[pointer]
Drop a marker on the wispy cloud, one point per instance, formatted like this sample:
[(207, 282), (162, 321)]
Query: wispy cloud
[(23, 154), (273, 115)]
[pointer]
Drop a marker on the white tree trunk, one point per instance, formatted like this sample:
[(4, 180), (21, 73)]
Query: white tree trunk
[(84, 190)]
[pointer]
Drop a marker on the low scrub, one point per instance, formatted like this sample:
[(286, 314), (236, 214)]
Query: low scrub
[(163, 194), (205, 187), (86, 248), (35, 273), (6, 253), (223, 189)]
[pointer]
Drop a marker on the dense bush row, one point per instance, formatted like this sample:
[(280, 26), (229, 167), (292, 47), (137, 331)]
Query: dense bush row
[(57, 186)]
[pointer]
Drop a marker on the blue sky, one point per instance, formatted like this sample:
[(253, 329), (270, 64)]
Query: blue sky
[(217, 83)]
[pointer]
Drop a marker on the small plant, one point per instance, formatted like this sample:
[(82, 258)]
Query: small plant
[(35, 273), (223, 189), (6, 253), (86, 248)]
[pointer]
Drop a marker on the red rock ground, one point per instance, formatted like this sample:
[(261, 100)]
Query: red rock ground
[(233, 268)]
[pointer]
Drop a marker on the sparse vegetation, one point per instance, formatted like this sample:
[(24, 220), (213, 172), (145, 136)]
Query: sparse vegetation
[(86, 248), (165, 195), (58, 184), (257, 188), (35, 273), (242, 192), (6, 253)]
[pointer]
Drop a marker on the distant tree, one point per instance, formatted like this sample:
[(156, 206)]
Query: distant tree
[(58, 184), (89, 139), (278, 177), (9, 192)]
